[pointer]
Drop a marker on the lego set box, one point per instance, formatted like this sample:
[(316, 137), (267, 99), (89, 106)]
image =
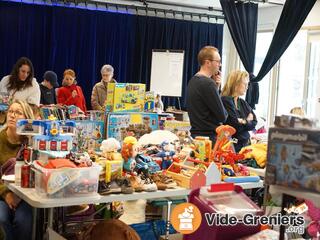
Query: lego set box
[(125, 97), (294, 158)]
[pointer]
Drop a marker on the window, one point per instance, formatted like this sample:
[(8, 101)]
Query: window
[(292, 74), (313, 76), (262, 45)]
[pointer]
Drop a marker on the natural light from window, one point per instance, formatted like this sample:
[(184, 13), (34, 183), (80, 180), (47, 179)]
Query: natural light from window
[(262, 46), (292, 75)]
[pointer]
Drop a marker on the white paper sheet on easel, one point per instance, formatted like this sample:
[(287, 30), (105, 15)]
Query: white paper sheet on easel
[(167, 72)]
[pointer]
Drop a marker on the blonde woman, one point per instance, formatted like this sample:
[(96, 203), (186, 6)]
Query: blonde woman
[(70, 93), (15, 214), (240, 114)]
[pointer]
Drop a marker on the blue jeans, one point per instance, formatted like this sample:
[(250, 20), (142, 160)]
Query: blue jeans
[(16, 224)]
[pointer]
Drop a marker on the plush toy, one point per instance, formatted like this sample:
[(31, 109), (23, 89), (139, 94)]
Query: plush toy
[(314, 226), (109, 148), (129, 152)]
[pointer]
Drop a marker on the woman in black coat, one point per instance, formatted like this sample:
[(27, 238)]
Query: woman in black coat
[(240, 114)]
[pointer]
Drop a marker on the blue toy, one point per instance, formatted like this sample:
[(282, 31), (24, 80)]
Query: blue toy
[(166, 154)]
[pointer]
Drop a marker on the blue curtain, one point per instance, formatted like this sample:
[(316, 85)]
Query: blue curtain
[(242, 19), (292, 17), (60, 37)]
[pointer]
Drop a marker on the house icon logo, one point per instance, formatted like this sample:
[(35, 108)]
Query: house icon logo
[(186, 218)]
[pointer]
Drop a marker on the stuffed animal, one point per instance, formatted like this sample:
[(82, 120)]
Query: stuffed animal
[(314, 213), (109, 148)]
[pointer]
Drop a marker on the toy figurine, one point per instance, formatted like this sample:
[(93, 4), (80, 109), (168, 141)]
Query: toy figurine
[(129, 152), (166, 154), (109, 148)]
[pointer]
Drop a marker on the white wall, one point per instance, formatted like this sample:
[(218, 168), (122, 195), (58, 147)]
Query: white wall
[(313, 18)]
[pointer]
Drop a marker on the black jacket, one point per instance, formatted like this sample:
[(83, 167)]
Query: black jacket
[(243, 111), (205, 109), (48, 96)]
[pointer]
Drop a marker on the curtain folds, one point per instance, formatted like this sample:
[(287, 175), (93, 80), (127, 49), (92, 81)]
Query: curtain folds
[(56, 38)]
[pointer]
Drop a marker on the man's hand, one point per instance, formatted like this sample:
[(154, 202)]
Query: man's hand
[(217, 79), (12, 200)]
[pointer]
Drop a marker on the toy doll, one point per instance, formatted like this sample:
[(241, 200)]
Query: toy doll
[(109, 148), (129, 152), (166, 154)]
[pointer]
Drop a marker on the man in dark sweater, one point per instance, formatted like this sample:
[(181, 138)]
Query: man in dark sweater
[(205, 109), (48, 88)]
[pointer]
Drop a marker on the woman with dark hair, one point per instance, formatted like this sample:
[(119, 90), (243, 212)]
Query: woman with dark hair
[(21, 84), (15, 214)]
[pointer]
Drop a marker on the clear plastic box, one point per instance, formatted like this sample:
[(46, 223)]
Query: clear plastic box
[(66, 182)]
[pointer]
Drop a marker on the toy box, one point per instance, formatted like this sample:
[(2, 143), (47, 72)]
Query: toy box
[(121, 125), (203, 146), (163, 117), (29, 127), (174, 125), (4, 101), (125, 97), (66, 182), (293, 158), (113, 170), (186, 176), (88, 134), (149, 102)]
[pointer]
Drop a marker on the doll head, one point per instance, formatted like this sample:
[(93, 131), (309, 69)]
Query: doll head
[(129, 148)]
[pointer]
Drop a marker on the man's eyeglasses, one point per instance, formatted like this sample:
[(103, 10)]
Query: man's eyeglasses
[(215, 60), (16, 113)]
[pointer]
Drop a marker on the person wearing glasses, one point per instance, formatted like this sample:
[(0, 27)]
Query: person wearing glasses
[(240, 114), (100, 90), (21, 84), (204, 105), (15, 214)]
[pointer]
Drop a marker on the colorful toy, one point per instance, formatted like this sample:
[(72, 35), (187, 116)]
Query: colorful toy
[(314, 213), (149, 102), (129, 152), (109, 148), (125, 97), (224, 133), (53, 138), (113, 170), (146, 164), (166, 154)]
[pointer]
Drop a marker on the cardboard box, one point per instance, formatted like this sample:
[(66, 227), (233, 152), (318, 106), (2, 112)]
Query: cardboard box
[(149, 102), (120, 125), (125, 97), (89, 134), (293, 158)]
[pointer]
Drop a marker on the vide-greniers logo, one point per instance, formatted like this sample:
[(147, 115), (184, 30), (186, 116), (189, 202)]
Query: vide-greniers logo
[(186, 218)]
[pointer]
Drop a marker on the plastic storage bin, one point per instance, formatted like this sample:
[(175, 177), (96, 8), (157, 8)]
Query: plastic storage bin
[(66, 182), (235, 203)]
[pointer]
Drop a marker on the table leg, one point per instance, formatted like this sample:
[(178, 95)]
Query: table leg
[(34, 223), (50, 218)]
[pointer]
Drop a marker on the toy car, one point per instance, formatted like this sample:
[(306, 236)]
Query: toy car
[(84, 187), (146, 163)]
